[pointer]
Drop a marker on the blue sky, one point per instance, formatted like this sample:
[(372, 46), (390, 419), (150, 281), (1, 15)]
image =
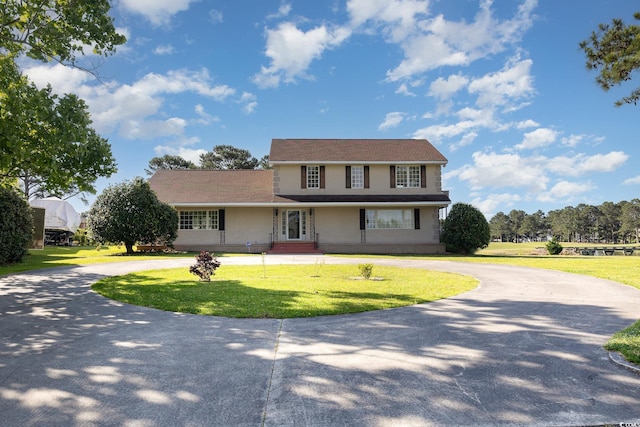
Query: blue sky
[(499, 87)]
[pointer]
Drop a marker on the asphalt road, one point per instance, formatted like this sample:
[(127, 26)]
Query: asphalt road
[(524, 348)]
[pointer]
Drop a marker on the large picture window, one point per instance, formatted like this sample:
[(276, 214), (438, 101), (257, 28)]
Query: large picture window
[(389, 219), (408, 177), (198, 220)]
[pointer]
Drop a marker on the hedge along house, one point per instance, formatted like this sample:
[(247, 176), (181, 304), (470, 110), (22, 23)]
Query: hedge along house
[(329, 195)]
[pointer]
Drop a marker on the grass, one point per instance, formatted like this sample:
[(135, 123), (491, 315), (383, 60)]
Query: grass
[(618, 268), (59, 256), (283, 291)]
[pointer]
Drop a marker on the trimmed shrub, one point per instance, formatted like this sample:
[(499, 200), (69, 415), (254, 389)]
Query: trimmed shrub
[(553, 247), (16, 226), (465, 230), (366, 270)]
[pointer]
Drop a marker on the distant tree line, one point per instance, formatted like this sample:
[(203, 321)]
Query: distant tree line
[(608, 223), (221, 157)]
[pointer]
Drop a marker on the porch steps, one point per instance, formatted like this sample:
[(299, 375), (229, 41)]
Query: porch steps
[(302, 248)]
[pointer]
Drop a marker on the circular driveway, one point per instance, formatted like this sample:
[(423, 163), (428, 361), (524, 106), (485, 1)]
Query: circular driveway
[(524, 348)]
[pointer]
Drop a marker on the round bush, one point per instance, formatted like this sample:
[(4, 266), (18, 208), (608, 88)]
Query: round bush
[(465, 230), (553, 247), (16, 226)]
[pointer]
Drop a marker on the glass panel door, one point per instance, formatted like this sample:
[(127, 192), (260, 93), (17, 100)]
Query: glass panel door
[(293, 225)]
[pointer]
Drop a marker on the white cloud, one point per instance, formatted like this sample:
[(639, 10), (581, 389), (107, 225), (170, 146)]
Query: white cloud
[(538, 138), (565, 191), (527, 124), (445, 88), (398, 17), (182, 148), (164, 49), (631, 181), (292, 50), (581, 163), (134, 110), (448, 43), (249, 101), (158, 12), (513, 82), (215, 16), (571, 140), (467, 139), (391, 120), (488, 204), (151, 129), (503, 170), (204, 118), (283, 10), (403, 89), (436, 133)]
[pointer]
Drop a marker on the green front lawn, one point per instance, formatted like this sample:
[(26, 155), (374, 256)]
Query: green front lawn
[(283, 291), (59, 256), (618, 268)]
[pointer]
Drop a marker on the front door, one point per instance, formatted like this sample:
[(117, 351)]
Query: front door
[(294, 224)]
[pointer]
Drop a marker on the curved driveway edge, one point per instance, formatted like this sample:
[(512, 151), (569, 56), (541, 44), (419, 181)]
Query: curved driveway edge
[(524, 348)]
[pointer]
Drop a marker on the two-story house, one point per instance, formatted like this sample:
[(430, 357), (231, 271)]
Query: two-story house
[(334, 195)]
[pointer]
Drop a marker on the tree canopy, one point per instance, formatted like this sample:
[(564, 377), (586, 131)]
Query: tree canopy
[(57, 30), (47, 144), (130, 213), (221, 157), (228, 157), (465, 229), (16, 226), (169, 162), (608, 223), (614, 51)]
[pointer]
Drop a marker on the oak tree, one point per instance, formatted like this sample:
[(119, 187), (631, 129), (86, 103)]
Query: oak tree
[(130, 212)]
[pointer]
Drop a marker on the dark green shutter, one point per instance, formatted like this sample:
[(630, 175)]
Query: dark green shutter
[(416, 219), (303, 177), (347, 177), (221, 219), (363, 224)]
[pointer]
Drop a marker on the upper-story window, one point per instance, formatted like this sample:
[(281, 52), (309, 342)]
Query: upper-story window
[(313, 176), (357, 176), (408, 176)]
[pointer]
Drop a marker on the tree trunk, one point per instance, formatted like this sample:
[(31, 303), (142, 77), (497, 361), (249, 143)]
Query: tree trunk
[(129, 247)]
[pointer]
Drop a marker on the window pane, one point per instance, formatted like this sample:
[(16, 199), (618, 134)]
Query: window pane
[(198, 220), (414, 176), (401, 176), (313, 176), (389, 219), (357, 176), (408, 176)]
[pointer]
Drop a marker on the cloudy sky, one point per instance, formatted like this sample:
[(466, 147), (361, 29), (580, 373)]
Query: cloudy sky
[(499, 87)]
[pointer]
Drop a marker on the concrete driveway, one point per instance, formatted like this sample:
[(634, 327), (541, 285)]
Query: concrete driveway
[(525, 348)]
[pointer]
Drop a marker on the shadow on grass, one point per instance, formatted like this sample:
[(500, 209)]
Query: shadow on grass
[(234, 298)]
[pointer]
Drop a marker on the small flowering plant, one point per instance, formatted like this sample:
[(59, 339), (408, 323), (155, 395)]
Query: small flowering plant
[(205, 266)]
